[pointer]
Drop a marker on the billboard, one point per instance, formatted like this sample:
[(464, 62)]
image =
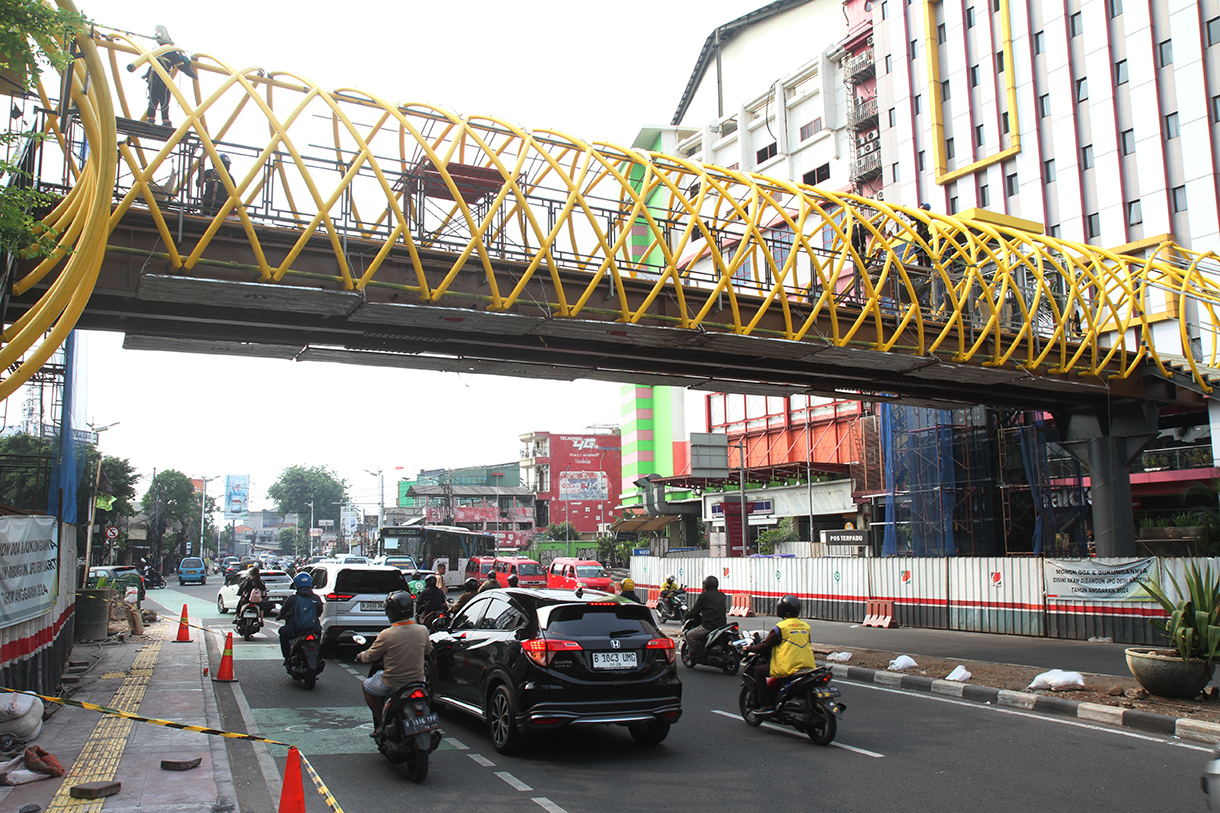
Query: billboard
[(583, 485), (237, 495)]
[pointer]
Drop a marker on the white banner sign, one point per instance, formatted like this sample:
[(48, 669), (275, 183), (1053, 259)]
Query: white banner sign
[(29, 568), (1094, 581)]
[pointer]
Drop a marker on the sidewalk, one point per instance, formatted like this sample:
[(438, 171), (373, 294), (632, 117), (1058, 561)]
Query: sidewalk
[(152, 676)]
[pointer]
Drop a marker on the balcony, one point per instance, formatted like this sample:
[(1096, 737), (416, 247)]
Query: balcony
[(866, 166), (861, 66), (863, 114)]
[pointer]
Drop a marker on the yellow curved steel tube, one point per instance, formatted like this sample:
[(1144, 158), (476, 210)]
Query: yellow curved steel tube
[(491, 195)]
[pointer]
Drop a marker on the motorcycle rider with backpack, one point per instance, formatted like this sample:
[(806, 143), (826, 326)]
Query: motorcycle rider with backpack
[(252, 591), (788, 643), (301, 612), (712, 611)]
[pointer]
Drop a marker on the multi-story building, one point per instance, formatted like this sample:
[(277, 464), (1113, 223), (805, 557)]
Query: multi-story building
[(480, 498), (576, 478)]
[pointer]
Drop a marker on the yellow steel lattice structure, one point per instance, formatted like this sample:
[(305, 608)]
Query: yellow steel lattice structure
[(419, 181)]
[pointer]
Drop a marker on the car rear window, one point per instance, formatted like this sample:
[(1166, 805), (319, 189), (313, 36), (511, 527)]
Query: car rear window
[(530, 569), (369, 581), (192, 563), (584, 619), (590, 572)]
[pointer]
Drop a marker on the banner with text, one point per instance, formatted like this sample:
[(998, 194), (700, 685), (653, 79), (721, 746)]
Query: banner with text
[(237, 495), (1095, 581), (29, 568)]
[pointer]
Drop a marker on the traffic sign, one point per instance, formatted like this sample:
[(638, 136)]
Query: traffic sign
[(112, 532)]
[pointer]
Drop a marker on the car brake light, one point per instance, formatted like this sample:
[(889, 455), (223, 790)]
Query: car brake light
[(666, 645), (542, 650), (340, 596), (418, 694), (310, 637), (603, 603)]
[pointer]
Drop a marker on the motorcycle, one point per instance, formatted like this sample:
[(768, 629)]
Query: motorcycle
[(248, 621), (672, 607), (717, 649), (154, 580), (805, 701), (305, 660), (410, 729)]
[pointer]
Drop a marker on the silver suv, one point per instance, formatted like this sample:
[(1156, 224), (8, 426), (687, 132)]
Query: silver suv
[(353, 597)]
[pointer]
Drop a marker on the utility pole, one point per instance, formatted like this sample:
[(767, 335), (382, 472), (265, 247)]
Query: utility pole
[(97, 479), (381, 498)]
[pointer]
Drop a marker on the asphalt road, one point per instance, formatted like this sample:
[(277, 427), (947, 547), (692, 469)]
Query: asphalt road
[(895, 752)]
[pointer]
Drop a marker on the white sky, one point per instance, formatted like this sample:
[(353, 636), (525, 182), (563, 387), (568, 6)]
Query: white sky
[(597, 70)]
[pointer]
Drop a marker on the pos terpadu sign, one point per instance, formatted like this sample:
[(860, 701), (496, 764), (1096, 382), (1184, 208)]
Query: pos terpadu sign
[(29, 568), (1088, 580)]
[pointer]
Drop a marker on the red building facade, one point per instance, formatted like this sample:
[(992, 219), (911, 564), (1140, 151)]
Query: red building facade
[(576, 478)]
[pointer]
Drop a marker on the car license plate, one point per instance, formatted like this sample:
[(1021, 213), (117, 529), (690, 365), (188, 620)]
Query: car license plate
[(372, 606), (418, 725), (613, 660)]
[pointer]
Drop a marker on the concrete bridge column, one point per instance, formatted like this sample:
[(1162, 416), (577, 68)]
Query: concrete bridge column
[(1107, 440)]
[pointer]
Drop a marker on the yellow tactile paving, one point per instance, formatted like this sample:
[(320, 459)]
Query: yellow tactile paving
[(99, 759)]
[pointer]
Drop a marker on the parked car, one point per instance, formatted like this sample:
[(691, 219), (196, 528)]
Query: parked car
[(353, 597), (279, 588), (478, 567), (122, 574), (528, 572), (568, 574), (351, 559), (192, 569), (529, 660)]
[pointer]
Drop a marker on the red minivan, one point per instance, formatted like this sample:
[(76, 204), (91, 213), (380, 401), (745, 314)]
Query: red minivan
[(528, 572), (479, 567), (568, 574)]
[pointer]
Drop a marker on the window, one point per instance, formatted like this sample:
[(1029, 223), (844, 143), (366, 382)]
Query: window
[(1010, 185), (999, 62), (1164, 53), (894, 172), (949, 152), (1120, 72), (1048, 171), (944, 91), (1086, 157), (914, 48), (1213, 31), (1216, 108), (941, 34), (885, 11), (984, 196), (809, 130), (1082, 89), (1039, 42), (889, 63), (1134, 215), (817, 176), (893, 117), (995, 5), (1003, 122), (974, 76), (766, 152), (953, 205), (978, 135), (1116, 7), (970, 17), (1178, 198), (1171, 125), (918, 105), (1044, 105), (1075, 25), (1053, 231), (1092, 226), (919, 160), (1126, 141)]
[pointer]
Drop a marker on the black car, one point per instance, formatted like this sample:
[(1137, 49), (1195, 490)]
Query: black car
[(529, 660)]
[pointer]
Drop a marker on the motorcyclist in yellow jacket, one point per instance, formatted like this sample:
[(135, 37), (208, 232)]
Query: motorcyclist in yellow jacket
[(788, 643)]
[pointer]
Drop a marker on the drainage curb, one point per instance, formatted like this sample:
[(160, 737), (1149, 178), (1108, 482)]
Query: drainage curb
[(1143, 721)]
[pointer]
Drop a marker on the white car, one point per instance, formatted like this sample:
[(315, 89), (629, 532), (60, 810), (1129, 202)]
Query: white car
[(279, 588), (353, 597)]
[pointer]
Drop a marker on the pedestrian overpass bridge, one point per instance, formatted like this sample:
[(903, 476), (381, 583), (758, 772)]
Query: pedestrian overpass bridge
[(353, 229)]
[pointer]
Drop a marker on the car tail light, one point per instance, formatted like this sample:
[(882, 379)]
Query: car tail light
[(310, 637), (603, 603), (671, 714), (542, 650), (340, 596), (418, 694), (666, 645)]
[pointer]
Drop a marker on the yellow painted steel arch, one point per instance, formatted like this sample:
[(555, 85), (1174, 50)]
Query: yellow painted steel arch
[(421, 182)]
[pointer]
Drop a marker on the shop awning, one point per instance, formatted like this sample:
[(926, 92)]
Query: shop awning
[(643, 524)]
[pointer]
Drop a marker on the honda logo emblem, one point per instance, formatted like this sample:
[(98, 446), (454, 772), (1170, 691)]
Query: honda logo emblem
[(614, 644)]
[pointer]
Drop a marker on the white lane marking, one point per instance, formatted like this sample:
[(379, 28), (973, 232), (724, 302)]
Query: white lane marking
[(514, 782), (547, 804), (458, 744), (482, 760), (795, 733), (1050, 718)]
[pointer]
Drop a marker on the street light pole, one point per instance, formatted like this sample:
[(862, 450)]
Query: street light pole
[(310, 504), (97, 479), (203, 508), (379, 474)]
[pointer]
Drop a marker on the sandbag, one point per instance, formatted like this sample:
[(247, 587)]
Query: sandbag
[(1058, 680), (26, 727), (17, 704)]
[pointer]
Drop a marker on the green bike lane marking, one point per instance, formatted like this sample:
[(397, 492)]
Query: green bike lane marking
[(172, 601), (323, 730)]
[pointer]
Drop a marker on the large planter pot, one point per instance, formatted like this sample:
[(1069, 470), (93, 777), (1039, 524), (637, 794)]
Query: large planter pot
[(93, 614), (1163, 672)]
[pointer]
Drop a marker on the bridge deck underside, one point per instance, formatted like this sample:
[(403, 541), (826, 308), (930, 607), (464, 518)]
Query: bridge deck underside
[(221, 308)]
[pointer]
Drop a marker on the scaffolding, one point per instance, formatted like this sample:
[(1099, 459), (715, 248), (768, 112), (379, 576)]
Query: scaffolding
[(1044, 508)]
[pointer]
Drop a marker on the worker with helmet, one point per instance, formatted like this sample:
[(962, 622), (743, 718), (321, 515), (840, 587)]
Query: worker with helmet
[(402, 648), (628, 591), (788, 643)]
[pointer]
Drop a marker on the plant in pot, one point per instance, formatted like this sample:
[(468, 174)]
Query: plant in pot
[(1192, 625)]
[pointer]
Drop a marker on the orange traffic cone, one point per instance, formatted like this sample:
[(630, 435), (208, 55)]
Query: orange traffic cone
[(184, 632), (225, 673), (292, 795)]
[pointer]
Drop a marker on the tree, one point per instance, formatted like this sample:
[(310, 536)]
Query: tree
[(298, 486), (173, 512), (560, 532), (31, 33)]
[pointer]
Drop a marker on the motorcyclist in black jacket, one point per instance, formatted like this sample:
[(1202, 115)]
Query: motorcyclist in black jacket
[(712, 611), (431, 600)]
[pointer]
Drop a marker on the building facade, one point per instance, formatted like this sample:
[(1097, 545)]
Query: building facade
[(575, 478)]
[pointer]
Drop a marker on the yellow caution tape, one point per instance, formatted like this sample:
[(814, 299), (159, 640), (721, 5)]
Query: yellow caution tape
[(313, 774)]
